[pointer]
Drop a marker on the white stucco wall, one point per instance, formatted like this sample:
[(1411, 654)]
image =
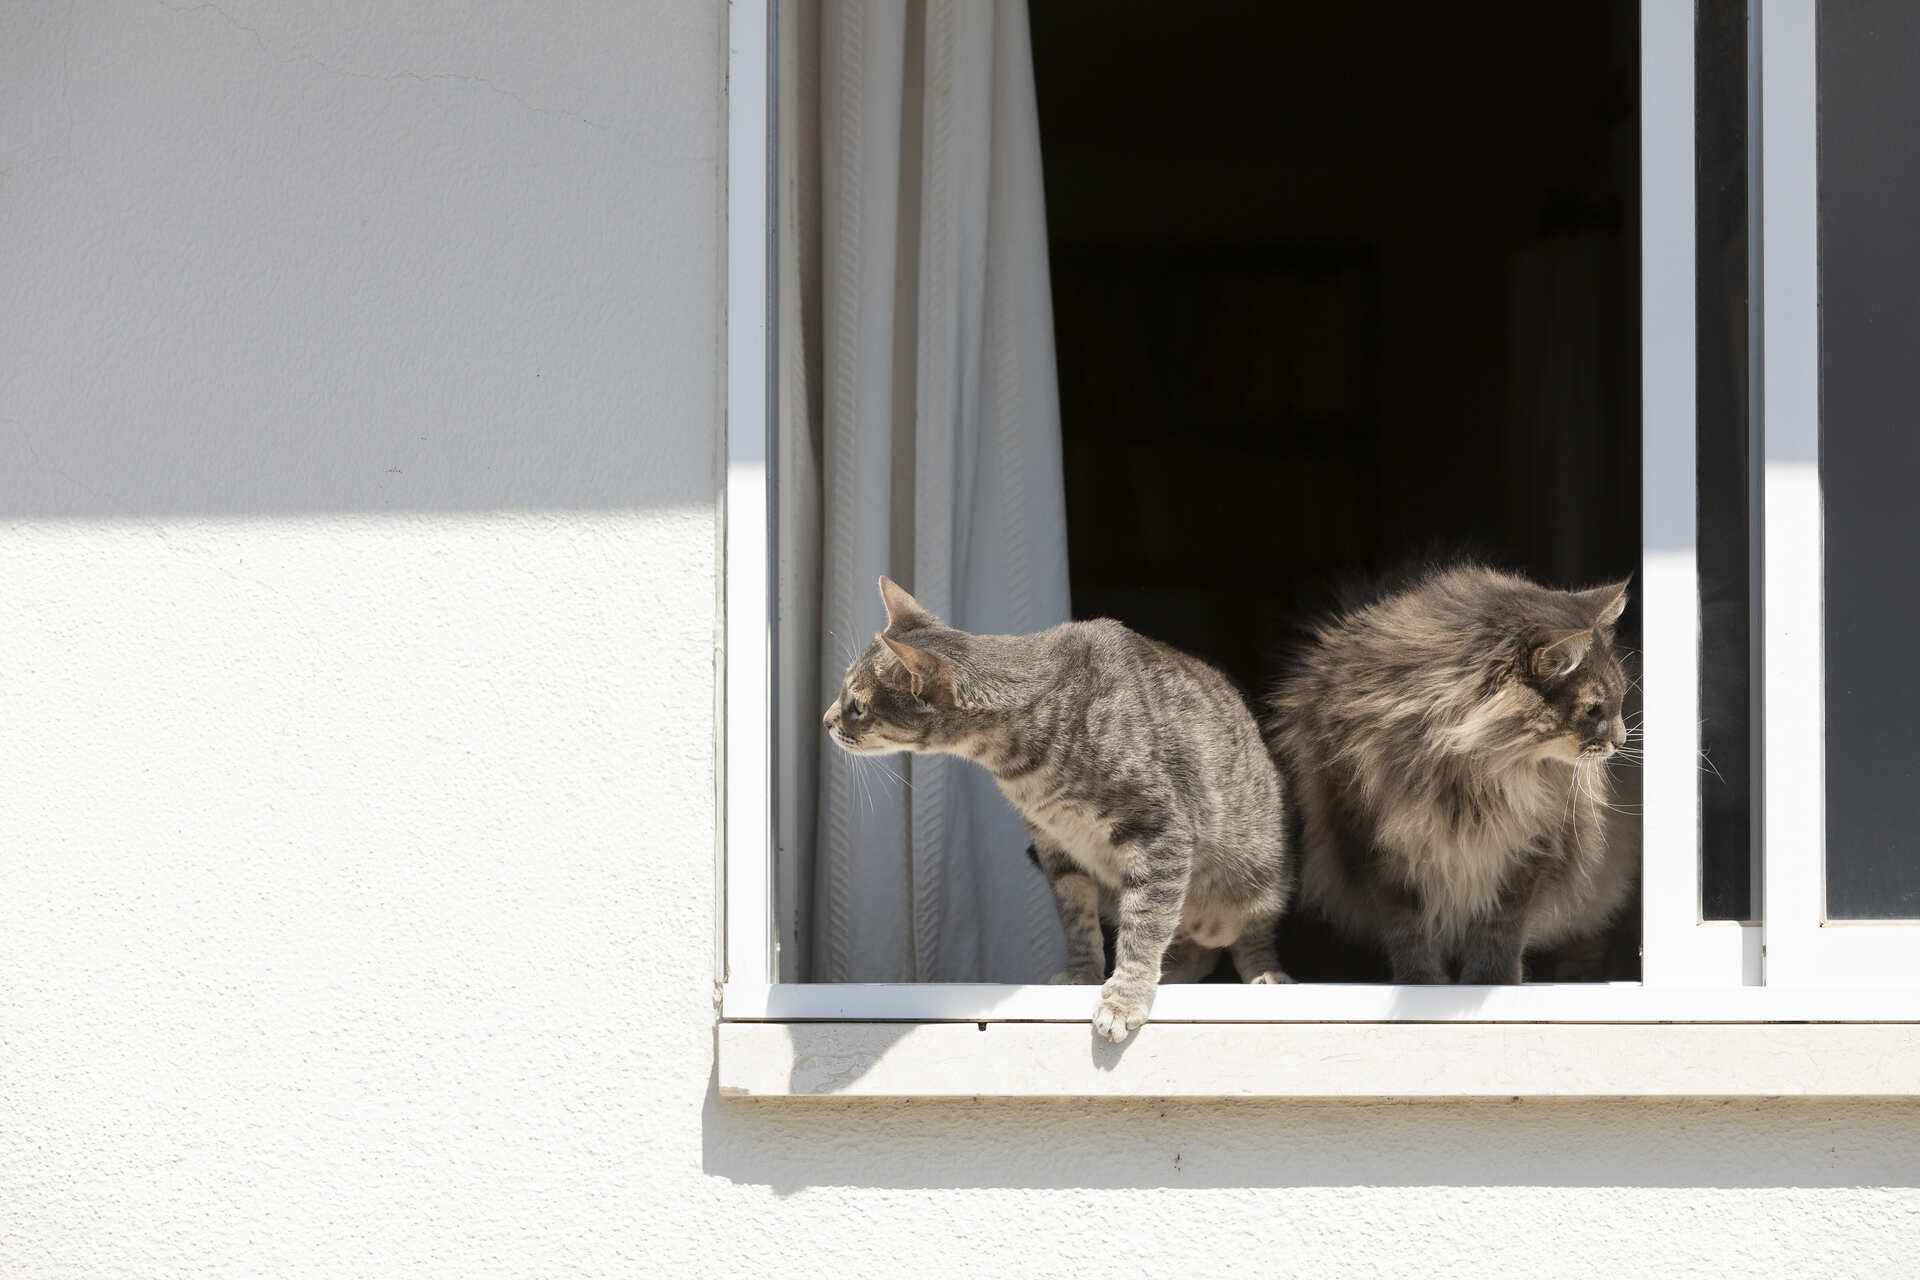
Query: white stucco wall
[(358, 434)]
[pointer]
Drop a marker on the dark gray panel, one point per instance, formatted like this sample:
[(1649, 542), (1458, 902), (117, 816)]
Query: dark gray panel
[(1869, 67), (1727, 879)]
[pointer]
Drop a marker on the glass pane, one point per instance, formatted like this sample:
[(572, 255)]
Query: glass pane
[(1728, 879), (1870, 452)]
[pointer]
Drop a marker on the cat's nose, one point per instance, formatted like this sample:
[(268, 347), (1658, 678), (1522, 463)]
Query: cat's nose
[(1617, 733), (832, 717)]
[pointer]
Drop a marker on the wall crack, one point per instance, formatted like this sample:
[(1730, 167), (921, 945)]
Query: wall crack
[(416, 77)]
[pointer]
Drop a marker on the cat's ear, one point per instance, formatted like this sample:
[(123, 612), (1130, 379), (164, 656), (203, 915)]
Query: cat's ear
[(902, 609), (1560, 653), (1604, 604), (924, 670)]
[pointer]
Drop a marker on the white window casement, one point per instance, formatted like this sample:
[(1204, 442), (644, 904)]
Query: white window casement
[(1817, 937), (1792, 1003)]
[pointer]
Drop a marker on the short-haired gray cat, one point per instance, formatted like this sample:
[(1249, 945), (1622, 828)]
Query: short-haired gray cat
[(1138, 769), (1445, 745)]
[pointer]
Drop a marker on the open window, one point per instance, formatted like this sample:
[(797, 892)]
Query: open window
[(1337, 285), (1601, 270)]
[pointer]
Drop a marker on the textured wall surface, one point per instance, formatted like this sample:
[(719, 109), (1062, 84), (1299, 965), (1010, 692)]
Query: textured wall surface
[(358, 435)]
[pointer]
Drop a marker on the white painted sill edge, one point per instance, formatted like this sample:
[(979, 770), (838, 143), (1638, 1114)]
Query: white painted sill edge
[(763, 1060)]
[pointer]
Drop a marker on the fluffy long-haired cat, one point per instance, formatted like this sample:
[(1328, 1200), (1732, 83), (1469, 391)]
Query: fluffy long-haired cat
[(1446, 748), (1138, 769)]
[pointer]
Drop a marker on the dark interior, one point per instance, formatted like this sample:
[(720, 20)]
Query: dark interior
[(1334, 285)]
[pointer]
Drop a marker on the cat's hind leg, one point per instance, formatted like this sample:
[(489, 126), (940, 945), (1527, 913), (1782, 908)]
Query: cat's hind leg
[(1077, 899), (1255, 952), (1408, 937), (1187, 961), (1415, 957)]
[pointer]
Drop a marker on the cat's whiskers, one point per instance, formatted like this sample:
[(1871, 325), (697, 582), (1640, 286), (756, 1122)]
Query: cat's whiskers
[(859, 777), (847, 648), (890, 771), (1708, 766), (865, 770), (1594, 790), (1573, 804), (1638, 756), (1582, 783)]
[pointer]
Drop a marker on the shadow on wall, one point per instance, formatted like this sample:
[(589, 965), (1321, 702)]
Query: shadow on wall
[(922, 1144)]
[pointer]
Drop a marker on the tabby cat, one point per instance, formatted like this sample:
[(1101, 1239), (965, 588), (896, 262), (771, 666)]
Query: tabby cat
[(1139, 770), (1446, 745)]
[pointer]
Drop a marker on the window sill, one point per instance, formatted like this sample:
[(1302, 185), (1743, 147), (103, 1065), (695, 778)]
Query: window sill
[(1312, 1002), (1317, 1060)]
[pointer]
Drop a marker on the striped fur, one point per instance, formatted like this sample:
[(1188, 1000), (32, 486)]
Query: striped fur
[(1445, 745), (1139, 771)]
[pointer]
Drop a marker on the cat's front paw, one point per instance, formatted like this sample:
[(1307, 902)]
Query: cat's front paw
[(1272, 977), (1120, 1013)]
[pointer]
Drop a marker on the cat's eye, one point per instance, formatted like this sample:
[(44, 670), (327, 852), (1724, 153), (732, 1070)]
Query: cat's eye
[(855, 708)]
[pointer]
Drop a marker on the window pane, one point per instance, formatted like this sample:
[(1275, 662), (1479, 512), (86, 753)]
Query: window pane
[(1870, 451), (1726, 791)]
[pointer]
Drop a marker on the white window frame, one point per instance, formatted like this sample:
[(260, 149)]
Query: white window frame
[(1804, 947), (1680, 949), (1694, 971), (746, 777)]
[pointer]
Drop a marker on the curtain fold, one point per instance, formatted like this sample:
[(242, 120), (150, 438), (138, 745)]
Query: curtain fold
[(938, 456)]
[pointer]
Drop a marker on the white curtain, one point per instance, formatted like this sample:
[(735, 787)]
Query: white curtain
[(922, 441)]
